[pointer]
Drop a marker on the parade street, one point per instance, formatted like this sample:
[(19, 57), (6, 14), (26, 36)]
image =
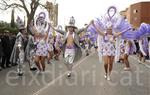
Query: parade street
[(87, 79), (74, 47)]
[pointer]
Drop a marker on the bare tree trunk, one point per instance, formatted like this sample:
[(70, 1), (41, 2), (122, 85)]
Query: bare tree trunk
[(29, 19)]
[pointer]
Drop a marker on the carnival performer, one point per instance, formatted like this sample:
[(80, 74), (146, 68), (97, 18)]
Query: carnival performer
[(41, 31), (130, 49), (108, 48), (87, 41), (114, 25), (121, 50), (30, 52), (81, 40), (127, 48), (50, 48), (17, 55), (57, 45), (118, 45), (71, 47), (87, 45), (110, 27), (143, 44)]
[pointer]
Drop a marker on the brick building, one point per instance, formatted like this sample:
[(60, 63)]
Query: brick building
[(137, 13)]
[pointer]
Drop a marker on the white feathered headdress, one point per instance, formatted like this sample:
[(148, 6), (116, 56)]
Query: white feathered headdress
[(20, 23)]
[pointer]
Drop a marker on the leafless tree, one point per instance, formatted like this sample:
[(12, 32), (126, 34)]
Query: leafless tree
[(29, 6)]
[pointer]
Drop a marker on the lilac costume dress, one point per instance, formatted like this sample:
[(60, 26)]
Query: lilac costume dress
[(50, 43), (108, 47), (42, 48)]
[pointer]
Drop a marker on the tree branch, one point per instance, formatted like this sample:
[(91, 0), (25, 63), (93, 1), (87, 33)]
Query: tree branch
[(12, 5), (6, 4), (44, 6), (25, 8)]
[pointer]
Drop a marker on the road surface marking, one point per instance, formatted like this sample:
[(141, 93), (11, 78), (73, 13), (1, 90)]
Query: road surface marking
[(53, 81)]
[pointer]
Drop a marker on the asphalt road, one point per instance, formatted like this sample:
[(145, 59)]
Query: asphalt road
[(87, 79)]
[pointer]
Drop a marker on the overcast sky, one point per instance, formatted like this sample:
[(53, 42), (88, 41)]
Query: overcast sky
[(82, 10)]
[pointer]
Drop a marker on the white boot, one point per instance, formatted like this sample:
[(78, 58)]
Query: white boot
[(108, 77)]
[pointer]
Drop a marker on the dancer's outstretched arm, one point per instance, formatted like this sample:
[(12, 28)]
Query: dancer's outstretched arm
[(120, 33), (83, 29), (97, 29), (57, 30)]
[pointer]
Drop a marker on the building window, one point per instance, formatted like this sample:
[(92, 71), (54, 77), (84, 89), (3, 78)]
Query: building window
[(135, 11)]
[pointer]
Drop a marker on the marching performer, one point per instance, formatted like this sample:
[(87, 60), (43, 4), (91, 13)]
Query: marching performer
[(57, 45), (17, 55), (110, 27), (108, 49), (50, 48), (87, 45), (108, 31), (127, 48), (143, 44), (41, 31), (30, 53), (121, 50), (71, 47), (130, 48)]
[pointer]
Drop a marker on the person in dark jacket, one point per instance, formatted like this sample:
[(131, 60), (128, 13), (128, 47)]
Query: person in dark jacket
[(6, 50), (1, 51), (12, 42)]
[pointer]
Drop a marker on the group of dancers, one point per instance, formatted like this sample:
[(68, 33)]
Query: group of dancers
[(43, 46), (40, 46), (114, 37)]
